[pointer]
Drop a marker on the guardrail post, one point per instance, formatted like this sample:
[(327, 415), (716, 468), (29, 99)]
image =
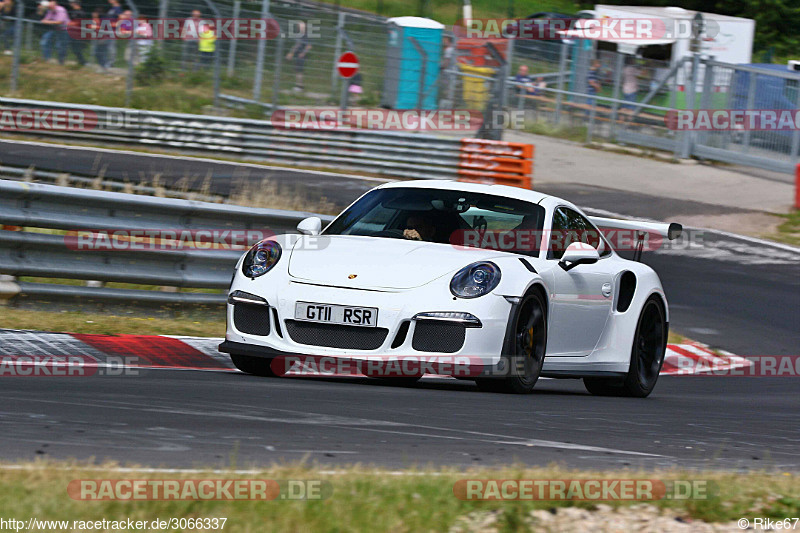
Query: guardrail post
[(17, 45)]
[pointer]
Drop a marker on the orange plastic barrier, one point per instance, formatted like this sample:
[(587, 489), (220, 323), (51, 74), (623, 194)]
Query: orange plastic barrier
[(499, 162)]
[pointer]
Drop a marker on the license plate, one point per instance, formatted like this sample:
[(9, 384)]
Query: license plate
[(336, 314)]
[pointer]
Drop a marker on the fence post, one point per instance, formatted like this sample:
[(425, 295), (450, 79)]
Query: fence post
[(562, 67), (337, 51), (688, 136), (237, 6), (131, 54), (276, 78), (424, 56), (708, 90), (17, 45), (751, 97), (260, 56), (619, 69)]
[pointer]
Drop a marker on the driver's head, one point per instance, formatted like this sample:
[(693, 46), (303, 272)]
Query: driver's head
[(422, 223)]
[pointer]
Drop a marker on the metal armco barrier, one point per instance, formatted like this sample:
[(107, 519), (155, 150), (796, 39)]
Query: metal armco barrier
[(388, 153), (500, 162), (49, 207)]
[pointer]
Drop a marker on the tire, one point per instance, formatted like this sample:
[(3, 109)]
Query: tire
[(258, 366), (524, 349), (647, 356)]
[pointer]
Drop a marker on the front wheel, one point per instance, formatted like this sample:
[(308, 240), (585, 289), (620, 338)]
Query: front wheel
[(258, 366), (526, 349), (647, 356)]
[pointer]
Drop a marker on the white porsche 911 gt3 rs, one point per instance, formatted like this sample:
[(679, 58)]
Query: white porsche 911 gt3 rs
[(519, 283)]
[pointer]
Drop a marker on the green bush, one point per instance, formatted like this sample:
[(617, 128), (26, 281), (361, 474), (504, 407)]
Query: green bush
[(153, 69)]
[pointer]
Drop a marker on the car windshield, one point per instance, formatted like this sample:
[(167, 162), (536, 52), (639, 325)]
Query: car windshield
[(446, 217)]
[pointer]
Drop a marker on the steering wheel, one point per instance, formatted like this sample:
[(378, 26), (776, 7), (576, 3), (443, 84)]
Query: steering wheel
[(391, 233)]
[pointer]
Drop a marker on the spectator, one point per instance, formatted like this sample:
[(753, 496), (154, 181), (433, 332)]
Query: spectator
[(523, 81), (355, 89), (100, 49), (298, 53), (141, 41), (56, 18), (539, 87), (144, 39), (446, 64), (630, 84), (106, 46), (191, 39), (593, 82), (78, 46), (206, 45), (7, 26)]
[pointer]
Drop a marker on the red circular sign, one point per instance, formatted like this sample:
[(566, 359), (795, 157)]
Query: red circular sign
[(347, 65)]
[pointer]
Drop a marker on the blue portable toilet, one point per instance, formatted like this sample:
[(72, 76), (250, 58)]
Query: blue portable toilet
[(403, 74)]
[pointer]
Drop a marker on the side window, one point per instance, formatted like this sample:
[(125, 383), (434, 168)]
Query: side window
[(570, 226)]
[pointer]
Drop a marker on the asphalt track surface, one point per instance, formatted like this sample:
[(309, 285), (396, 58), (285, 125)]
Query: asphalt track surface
[(734, 294)]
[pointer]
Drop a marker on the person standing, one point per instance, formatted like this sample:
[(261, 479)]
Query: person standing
[(298, 52), (630, 84), (190, 33), (110, 43), (78, 46), (56, 18), (206, 45), (523, 81), (593, 82), (7, 26)]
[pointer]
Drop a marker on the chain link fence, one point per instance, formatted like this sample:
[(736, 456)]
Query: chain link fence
[(579, 88)]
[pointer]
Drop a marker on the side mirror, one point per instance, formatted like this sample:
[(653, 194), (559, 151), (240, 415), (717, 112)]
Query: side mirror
[(578, 253), (310, 226)]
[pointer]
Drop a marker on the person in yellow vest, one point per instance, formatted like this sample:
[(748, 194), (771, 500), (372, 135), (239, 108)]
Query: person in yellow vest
[(206, 44)]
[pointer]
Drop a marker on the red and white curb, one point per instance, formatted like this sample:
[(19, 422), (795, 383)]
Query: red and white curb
[(200, 353)]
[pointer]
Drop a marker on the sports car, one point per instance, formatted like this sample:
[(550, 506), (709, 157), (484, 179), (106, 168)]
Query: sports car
[(518, 283)]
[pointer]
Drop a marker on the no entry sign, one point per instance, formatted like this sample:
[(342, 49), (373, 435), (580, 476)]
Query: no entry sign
[(347, 65)]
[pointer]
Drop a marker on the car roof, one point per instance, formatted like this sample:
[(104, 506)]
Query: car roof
[(517, 193)]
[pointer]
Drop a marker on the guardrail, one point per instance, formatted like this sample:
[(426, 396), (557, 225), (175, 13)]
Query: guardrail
[(63, 209), (388, 153)]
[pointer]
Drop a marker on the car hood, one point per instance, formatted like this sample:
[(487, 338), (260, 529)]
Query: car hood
[(375, 262)]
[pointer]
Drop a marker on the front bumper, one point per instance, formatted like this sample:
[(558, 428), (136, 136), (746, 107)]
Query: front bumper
[(396, 310)]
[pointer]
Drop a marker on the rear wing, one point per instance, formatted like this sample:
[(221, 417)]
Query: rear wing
[(670, 231)]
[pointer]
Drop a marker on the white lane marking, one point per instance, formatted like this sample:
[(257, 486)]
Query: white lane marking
[(238, 472), (200, 159), (352, 424)]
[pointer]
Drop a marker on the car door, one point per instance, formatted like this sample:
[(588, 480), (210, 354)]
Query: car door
[(581, 298)]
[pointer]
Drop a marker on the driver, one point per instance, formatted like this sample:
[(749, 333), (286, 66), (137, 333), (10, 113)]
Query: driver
[(419, 228)]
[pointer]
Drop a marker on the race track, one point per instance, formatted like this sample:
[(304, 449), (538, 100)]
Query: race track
[(736, 294)]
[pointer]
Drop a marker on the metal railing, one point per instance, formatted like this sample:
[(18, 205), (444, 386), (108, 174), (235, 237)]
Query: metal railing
[(39, 221), (388, 153)]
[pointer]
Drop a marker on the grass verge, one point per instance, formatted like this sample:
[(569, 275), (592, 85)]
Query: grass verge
[(107, 324), (789, 231), (363, 499)]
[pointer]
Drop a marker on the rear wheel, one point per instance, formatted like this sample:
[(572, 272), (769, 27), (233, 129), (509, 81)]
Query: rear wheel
[(258, 366), (647, 356), (526, 347)]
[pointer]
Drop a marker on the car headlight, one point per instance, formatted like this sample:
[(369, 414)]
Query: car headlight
[(475, 280), (261, 258)]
